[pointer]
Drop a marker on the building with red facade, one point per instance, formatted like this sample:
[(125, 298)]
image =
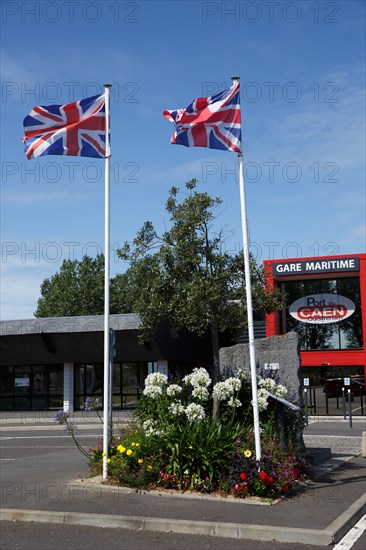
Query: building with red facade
[(324, 301)]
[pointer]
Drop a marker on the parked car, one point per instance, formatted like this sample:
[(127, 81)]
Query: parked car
[(333, 386)]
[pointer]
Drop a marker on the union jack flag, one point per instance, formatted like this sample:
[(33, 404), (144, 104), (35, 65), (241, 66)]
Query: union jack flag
[(213, 122), (75, 129)]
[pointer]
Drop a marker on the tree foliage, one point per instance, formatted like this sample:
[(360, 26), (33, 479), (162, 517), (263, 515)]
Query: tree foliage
[(186, 277), (78, 289)]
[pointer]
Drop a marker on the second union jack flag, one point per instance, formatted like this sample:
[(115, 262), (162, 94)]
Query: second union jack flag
[(213, 122), (75, 129)]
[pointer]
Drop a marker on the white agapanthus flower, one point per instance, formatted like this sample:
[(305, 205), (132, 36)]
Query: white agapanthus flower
[(235, 383), (176, 408), (152, 391), (156, 379), (224, 390), (195, 412), (221, 391), (150, 428), (173, 390), (262, 399), (281, 391), (198, 378), (271, 386), (268, 384), (243, 374), (201, 393), (234, 402)]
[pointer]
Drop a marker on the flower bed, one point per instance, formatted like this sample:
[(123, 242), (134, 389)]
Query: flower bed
[(176, 444)]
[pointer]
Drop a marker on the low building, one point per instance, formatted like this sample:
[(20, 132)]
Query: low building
[(55, 363)]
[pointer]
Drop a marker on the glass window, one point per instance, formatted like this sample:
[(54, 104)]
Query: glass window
[(88, 382), (39, 380), (345, 334), (129, 378), (56, 379), (116, 378), (6, 381), (133, 378)]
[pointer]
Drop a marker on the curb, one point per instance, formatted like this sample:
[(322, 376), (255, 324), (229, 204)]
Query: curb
[(343, 523), (218, 529), (265, 533)]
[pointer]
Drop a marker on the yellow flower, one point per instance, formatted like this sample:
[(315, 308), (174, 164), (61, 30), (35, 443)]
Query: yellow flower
[(140, 461), (108, 460), (137, 444), (104, 454), (121, 448), (247, 453), (149, 467), (133, 444), (128, 452)]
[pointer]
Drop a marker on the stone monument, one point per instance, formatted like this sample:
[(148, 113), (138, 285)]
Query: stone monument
[(277, 357)]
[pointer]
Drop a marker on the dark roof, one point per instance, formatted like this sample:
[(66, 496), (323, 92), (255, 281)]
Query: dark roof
[(90, 323)]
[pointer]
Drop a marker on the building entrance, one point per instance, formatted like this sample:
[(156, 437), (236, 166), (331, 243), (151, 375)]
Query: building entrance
[(334, 390)]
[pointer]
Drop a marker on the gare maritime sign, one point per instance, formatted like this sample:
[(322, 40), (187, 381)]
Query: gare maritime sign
[(310, 267)]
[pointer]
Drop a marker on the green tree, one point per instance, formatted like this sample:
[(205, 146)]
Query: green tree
[(185, 276), (78, 289)]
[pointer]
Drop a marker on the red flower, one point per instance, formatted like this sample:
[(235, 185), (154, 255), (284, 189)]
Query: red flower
[(243, 475), (267, 480)]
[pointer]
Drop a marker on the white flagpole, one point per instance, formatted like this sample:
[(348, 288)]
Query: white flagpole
[(248, 289), (106, 286)]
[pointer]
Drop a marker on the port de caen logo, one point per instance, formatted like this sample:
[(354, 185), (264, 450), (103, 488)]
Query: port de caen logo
[(322, 308)]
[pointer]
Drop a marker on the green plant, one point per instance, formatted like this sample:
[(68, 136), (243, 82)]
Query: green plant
[(198, 453)]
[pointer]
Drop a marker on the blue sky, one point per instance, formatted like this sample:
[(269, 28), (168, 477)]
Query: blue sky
[(302, 94)]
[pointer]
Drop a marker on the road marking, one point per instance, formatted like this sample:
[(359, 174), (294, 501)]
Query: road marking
[(46, 436), (352, 536), (333, 436)]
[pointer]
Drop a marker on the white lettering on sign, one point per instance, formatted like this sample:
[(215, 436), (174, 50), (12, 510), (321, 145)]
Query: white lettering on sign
[(289, 268), (330, 264), (315, 266), (322, 308)]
